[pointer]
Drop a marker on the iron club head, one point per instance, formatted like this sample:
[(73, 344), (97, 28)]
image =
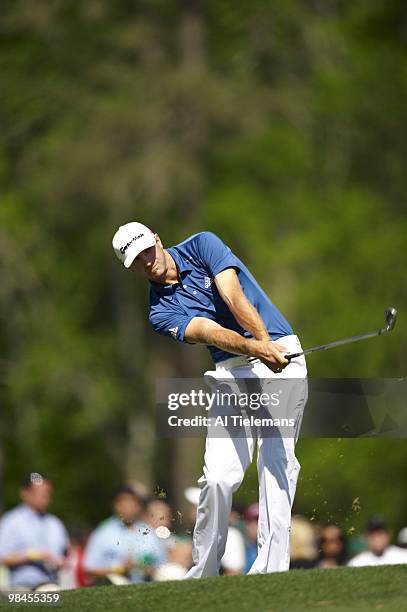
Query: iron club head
[(390, 316)]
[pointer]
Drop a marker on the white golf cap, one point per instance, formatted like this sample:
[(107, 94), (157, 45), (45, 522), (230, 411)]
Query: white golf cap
[(130, 240)]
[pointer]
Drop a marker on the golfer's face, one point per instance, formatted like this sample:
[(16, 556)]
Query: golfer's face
[(151, 262)]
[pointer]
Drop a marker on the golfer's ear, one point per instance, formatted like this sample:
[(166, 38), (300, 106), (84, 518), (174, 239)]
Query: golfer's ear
[(158, 240)]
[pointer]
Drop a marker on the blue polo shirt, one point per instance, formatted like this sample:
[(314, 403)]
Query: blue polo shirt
[(199, 259)]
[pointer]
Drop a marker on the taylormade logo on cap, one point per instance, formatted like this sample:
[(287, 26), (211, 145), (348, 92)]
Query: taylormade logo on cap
[(123, 249), (130, 240)]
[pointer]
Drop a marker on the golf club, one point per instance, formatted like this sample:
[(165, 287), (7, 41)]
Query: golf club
[(390, 318)]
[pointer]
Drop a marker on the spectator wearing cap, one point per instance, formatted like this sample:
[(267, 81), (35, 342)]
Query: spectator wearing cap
[(379, 550), (33, 542), (332, 546), (123, 548)]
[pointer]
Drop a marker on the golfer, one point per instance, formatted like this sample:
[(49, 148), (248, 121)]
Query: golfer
[(200, 292)]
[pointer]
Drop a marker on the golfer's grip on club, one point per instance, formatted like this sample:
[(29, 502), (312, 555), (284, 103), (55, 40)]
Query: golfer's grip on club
[(271, 354), (293, 355)]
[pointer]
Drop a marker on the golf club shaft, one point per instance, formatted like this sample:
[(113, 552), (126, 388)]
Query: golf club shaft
[(390, 315), (336, 343)]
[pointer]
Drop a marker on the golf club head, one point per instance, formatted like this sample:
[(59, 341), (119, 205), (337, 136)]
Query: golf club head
[(390, 316)]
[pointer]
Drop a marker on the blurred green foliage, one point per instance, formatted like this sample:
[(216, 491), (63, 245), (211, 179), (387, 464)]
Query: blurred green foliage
[(279, 125)]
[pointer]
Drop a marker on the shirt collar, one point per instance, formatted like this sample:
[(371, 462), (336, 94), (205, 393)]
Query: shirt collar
[(184, 265)]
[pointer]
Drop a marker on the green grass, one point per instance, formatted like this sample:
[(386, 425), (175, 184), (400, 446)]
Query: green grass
[(363, 589)]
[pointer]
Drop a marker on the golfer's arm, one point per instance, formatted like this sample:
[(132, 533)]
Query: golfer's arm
[(204, 331), (230, 290)]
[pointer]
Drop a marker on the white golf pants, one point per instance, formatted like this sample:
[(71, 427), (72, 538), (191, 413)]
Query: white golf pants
[(225, 462)]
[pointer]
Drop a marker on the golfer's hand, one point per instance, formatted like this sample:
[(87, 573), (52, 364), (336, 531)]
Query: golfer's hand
[(271, 354)]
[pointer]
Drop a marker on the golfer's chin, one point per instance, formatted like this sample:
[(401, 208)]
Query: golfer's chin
[(157, 276)]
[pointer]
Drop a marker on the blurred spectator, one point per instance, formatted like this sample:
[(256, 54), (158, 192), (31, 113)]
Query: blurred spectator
[(123, 548), (33, 543), (234, 558), (179, 550), (302, 544), (402, 538), (251, 516), (73, 574), (158, 513), (380, 552), (4, 578), (236, 517), (141, 490), (179, 561), (332, 546)]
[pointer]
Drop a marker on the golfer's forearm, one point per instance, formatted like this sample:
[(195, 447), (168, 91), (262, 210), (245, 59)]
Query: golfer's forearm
[(248, 317), (204, 331), (232, 342), (230, 290)]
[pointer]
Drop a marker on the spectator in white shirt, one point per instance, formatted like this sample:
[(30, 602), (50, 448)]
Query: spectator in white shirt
[(379, 550)]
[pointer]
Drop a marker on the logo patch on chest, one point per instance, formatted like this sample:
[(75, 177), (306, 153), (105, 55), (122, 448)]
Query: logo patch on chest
[(208, 282)]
